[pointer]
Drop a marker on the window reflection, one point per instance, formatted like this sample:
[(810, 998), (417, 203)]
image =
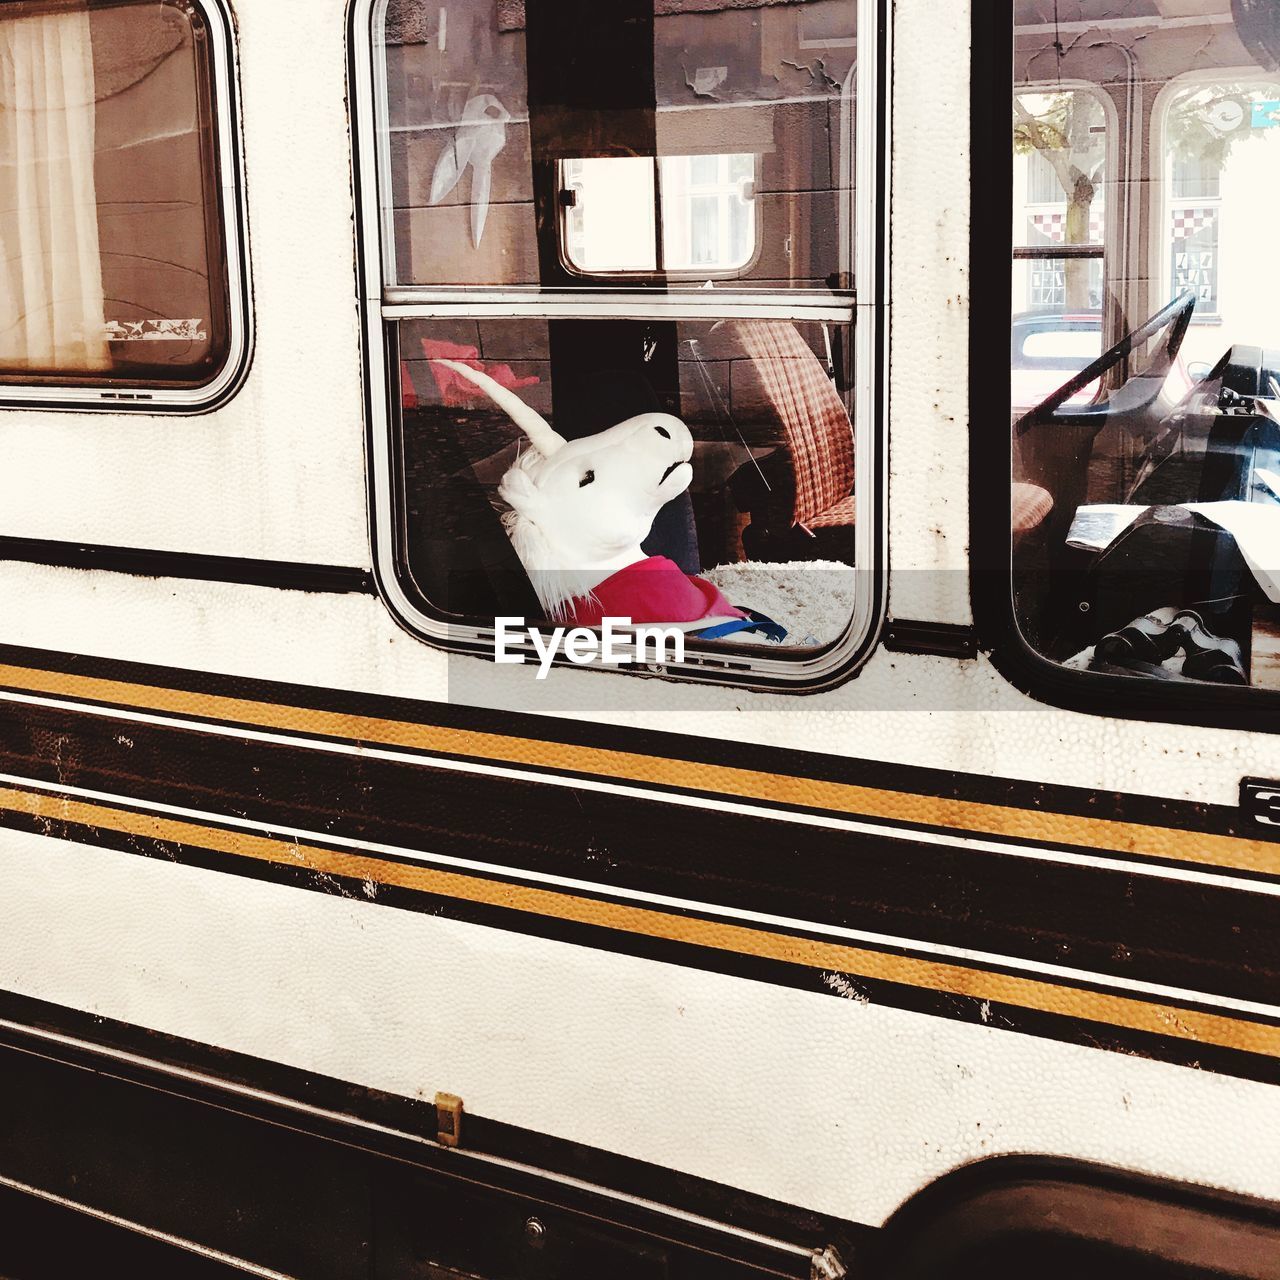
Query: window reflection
[(495, 107), (1145, 345), (708, 221), (111, 259)]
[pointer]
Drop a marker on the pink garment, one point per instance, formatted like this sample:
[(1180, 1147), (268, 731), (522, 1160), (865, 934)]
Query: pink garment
[(455, 390), (652, 590)]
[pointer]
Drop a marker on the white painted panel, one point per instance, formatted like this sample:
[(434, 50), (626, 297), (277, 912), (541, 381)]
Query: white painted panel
[(829, 1103), (929, 314), (925, 711), (278, 473)]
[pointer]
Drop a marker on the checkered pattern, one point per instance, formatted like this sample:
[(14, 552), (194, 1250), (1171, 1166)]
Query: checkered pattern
[(1053, 226), (819, 436), (841, 514), (1190, 222)]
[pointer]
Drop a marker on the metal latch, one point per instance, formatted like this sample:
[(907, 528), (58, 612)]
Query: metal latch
[(1261, 801), (448, 1119)]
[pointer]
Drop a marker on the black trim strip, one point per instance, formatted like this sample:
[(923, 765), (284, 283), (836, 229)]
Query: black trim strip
[(1108, 921), (229, 1074), (1064, 1027), (1191, 816), (146, 563)]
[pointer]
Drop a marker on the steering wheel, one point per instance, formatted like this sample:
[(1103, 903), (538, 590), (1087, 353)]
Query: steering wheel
[(1136, 394)]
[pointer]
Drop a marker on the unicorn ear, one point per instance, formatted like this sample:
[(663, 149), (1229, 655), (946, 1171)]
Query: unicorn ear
[(519, 492)]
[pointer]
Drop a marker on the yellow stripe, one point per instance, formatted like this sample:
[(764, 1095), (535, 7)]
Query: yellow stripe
[(954, 979), (1141, 840)]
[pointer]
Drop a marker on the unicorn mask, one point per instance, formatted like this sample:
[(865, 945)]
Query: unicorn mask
[(581, 508)]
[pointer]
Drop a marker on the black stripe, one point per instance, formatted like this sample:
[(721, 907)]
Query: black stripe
[(786, 762), (1108, 921), (145, 563), (412, 1118), (1062, 1027)]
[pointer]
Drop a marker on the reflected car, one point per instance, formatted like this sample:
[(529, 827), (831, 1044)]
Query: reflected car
[(1048, 346)]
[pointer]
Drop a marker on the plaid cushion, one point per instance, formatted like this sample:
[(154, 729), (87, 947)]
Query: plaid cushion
[(1031, 504), (841, 514), (819, 436)]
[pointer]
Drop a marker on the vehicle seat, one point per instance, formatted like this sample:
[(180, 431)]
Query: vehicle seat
[(801, 499), (1031, 508)]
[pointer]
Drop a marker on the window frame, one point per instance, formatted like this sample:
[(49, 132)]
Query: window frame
[(990, 495), (383, 306), (693, 274), (122, 395)]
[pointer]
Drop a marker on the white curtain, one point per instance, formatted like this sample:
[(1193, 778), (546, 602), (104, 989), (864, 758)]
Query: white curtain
[(51, 307)]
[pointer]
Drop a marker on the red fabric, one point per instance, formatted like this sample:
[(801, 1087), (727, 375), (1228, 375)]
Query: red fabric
[(653, 590), (455, 390), (408, 396)]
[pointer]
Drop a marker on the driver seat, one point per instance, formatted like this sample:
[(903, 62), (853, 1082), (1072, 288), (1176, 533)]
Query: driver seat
[(1031, 508)]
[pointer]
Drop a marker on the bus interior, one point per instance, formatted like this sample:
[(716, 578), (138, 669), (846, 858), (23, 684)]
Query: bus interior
[(1145, 340), (646, 207)]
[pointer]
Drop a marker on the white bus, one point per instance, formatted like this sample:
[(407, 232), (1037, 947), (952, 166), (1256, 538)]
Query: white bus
[(910, 907)]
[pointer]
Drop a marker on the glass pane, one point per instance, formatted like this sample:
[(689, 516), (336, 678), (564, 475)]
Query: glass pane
[(742, 167), (704, 239), (488, 103), (610, 226), (1146, 378), (704, 171), (751, 406), (111, 266), (708, 222)]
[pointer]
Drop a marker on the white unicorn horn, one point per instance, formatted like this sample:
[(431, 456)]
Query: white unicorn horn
[(541, 434)]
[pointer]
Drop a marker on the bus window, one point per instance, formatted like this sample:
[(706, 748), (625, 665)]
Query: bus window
[(765, 512), (1146, 362), (595, 215), (116, 269)]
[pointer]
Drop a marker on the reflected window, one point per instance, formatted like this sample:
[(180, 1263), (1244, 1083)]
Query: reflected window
[(539, 144), (707, 206), (610, 221), (1060, 143), (114, 266), (1146, 365), (1221, 156)]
